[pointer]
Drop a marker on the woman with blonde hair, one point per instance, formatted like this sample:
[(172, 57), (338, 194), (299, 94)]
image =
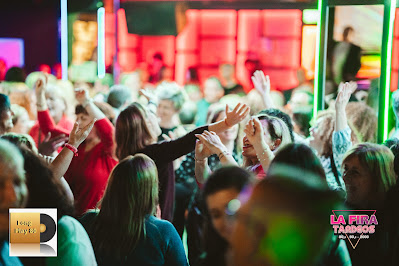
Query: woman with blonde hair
[(125, 231), (369, 176)]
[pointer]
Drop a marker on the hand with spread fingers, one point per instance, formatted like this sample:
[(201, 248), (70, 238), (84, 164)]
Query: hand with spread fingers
[(239, 113), (262, 85), (49, 145), (201, 151), (345, 91), (78, 135), (82, 96), (254, 131), (211, 141)]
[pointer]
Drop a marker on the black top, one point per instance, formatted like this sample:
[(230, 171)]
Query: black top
[(163, 154)]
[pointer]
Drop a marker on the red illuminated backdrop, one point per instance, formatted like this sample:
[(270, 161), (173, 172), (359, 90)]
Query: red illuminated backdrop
[(212, 37)]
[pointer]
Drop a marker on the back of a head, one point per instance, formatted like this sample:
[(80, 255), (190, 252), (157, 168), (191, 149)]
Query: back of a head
[(283, 216), (171, 91), (188, 113), (10, 159), (277, 129), (45, 191), (131, 195), (15, 74), (226, 178), (364, 119), (300, 156), (118, 96), (13, 192), (393, 145), (283, 116), (23, 140), (4, 103), (131, 131)]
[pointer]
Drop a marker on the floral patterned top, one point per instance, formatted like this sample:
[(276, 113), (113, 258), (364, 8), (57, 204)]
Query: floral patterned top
[(341, 143)]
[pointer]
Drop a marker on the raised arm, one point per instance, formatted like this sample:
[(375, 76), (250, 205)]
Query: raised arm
[(262, 85), (46, 122), (171, 150), (61, 163), (239, 113), (255, 135), (345, 92), (201, 162), (215, 146)]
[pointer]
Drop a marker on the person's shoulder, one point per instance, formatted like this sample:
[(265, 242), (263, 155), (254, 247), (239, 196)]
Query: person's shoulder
[(162, 226)]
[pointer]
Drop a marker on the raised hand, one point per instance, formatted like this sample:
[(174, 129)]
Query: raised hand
[(237, 115), (78, 135), (82, 96), (345, 91), (211, 141), (201, 151), (40, 90), (262, 85), (254, 131), (148, 94), (261, 82), (49, 145)]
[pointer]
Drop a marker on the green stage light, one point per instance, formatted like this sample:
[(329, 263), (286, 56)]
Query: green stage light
[(310, 16), (317, 63), (392, 12)]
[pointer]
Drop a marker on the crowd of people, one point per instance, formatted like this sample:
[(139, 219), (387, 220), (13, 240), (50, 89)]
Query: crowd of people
[(154, 173)]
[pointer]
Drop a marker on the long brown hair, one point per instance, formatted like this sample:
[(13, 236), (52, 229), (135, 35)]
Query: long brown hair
[(130, 196), (131, 131)]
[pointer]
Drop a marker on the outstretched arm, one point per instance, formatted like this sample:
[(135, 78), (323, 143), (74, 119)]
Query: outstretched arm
[(255, 135), (262, 85), (345, 92), (233, 117), (61, 163)]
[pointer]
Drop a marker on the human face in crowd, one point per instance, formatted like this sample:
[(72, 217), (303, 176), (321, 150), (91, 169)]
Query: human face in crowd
[(84, 120), (153, 124), (358, 182), (230, 134), (212, 91), (248, 149), (22, 124), (315, 140), (13, 192), (56, 105), (217, 204), (6, 121), (166, 110)]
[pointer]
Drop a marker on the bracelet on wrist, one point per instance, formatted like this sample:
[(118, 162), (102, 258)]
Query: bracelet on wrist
[(223, 154), (200, 160), (71, 148)]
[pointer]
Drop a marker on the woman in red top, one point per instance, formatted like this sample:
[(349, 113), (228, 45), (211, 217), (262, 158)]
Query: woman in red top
[(88, 173), (56, 108)]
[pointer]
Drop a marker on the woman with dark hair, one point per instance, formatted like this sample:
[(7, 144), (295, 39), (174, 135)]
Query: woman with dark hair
[(46, 191), (137, 131), (300, 156), (264, 135), (125, 231), (186, 185), (221, 189)]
